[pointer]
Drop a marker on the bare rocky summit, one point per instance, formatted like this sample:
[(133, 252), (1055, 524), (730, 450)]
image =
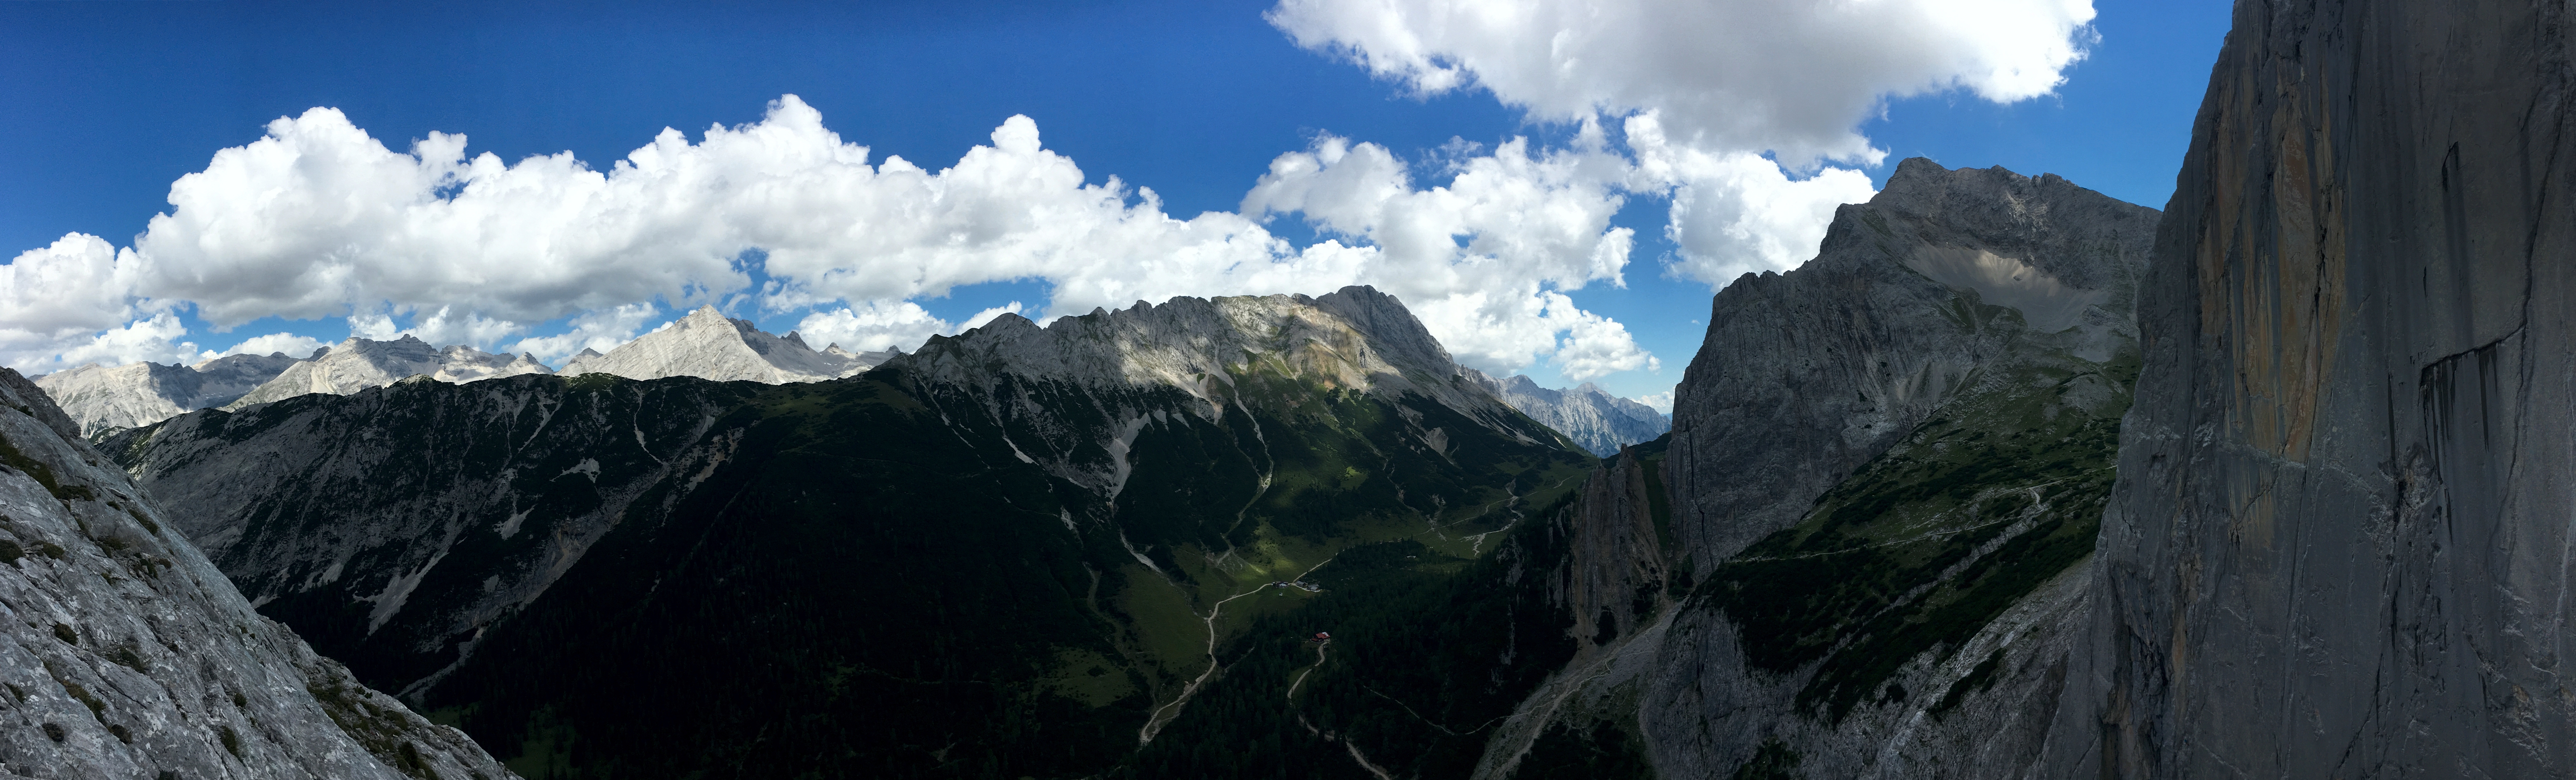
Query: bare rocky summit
[(1356, 339), (101, 398), (126, 654), (1806, 375), (708, 345), (1859, 446), (358, 364)]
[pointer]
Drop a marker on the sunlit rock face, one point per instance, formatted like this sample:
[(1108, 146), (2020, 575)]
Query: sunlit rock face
[(127, 654), (1595, 420), (104, 398), (2340, 545), (708, 345), (358, 364)]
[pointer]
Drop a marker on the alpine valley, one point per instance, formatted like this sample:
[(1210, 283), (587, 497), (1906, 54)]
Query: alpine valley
[(2011, 480)]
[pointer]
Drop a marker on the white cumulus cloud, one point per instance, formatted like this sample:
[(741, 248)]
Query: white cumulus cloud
[(598, 329), (1721, 100), (1792, 76), (876, 326), (872, 326), (319, 219), (1734, 213), (1660, 402), (155, 339), (290, 344)]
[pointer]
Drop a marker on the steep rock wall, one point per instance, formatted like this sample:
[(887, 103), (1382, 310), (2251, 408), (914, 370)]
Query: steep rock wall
[(1885, 475), (1804, 376), (126, 654), (2340, 542)]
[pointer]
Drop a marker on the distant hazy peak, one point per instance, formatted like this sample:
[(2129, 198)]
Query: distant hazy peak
[(1596, 420)]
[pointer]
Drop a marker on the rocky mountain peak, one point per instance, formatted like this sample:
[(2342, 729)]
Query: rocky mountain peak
[(103, 398), (1356, 338), (709, 345), (1596, 420), (2001, 225), (359, 363)]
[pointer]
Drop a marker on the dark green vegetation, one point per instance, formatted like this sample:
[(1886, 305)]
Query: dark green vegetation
[(871, 577), (1429, 653), (1924, 546)]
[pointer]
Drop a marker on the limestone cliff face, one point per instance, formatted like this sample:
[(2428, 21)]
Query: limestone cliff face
[(2340, 544), (126, 654), (1806, 375), (102, 398)]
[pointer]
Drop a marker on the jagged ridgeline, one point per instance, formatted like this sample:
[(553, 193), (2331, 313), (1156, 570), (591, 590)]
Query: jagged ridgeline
[(1013, 553)]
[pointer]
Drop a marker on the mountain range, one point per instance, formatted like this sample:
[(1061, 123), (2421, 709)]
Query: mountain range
[(705, 344), (2012, 480), (1062, 514)]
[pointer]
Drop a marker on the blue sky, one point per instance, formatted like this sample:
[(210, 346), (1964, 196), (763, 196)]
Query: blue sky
[(107, 104)]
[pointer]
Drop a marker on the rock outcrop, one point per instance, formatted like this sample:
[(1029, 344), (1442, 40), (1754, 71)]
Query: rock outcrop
[(1884, 476), (358, 364), (2341, 541), (1355, 339), (708, 345), (1806, 375), (1595, 420), (102, 399), (126, 654)]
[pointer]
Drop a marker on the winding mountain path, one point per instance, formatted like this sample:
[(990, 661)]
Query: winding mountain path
[(1163, 715)]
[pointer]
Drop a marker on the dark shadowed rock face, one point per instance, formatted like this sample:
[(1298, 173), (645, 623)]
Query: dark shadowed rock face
[(126, 654), (2339, 546), (1804, 376), (1885, 477)]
